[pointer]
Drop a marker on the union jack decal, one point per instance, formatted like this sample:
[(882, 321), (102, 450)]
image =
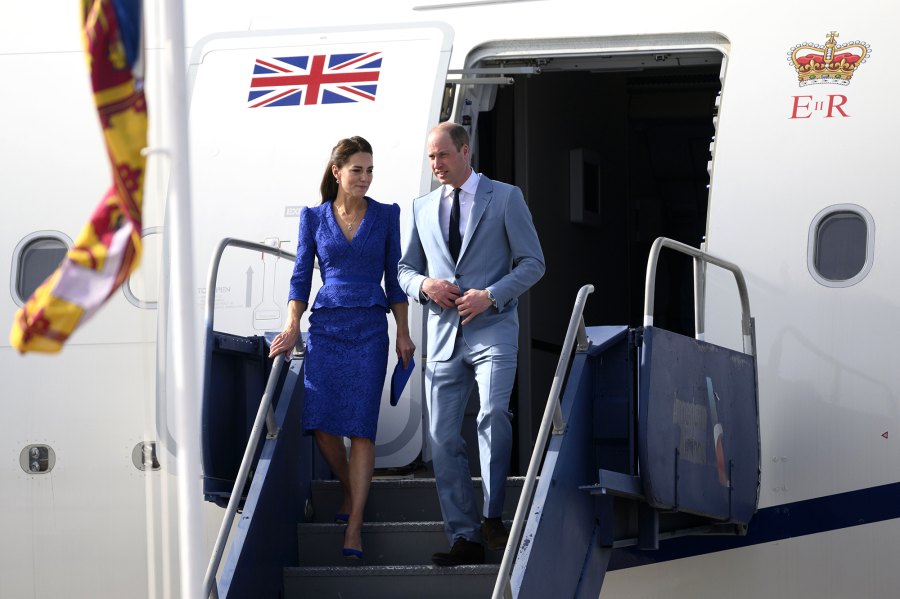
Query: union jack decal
[(318, 79)]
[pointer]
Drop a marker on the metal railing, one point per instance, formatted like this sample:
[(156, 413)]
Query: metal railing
[(552, 416), (213, 274), (701, 259), (265, 413), (553, 410)]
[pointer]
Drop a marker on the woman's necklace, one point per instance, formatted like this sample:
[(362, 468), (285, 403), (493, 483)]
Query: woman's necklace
[(350, 224), (344, 214)]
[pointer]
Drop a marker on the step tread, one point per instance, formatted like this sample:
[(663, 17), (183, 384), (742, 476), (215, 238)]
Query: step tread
[(407, 483), (414, 570), (375, 527), (329, 528)]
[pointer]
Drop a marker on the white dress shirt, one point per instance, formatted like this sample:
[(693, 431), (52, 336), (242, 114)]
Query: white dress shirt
[(466, 201)]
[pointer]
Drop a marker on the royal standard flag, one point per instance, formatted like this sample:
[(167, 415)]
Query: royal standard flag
[(108, 248)]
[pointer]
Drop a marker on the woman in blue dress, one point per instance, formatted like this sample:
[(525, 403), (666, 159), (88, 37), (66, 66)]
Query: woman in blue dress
[(357, 242)]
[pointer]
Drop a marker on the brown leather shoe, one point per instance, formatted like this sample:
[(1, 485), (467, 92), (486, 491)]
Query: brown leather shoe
[(494, 533), (462, 553)]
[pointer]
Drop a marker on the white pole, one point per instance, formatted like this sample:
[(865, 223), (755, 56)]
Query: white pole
[(185, 397)]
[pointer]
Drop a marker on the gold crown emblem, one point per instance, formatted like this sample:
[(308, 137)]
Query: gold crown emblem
[(829, 63)]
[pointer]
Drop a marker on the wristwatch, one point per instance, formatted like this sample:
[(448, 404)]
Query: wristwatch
[(492, 298)]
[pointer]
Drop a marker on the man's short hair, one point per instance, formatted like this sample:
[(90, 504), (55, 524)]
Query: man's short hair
[(458, 134)]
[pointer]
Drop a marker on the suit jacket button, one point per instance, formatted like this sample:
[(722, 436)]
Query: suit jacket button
[(457, 275)]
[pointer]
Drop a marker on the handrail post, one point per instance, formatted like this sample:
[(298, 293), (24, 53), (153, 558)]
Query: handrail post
[(271, 425), (582, 342), (552, 416), (699, 299)]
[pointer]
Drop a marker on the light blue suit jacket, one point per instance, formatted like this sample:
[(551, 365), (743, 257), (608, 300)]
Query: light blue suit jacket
[(500, 252)]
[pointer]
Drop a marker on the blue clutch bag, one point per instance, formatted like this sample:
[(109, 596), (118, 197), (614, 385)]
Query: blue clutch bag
[(399, 379)]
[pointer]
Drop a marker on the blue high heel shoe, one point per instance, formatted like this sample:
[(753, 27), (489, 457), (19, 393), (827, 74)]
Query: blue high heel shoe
[(352, 554), (341, 518)]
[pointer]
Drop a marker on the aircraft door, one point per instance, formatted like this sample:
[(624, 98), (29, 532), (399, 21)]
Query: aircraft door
[(611, 151), (266, 108)]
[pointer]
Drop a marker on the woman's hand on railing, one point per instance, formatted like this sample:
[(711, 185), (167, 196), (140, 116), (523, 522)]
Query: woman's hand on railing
[(285, 341)]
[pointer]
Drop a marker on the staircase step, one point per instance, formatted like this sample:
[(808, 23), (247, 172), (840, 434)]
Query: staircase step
[(384, 544), (402, 500), (390, 582)]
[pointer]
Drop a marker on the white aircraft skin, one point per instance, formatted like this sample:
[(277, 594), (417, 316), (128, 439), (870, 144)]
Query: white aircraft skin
[(96, 526)]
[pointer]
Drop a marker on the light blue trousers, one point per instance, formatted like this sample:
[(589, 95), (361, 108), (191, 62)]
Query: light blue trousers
[(447, 388)]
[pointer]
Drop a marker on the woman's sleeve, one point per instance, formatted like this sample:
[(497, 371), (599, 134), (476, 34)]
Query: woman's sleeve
[(301, 279), (391, 257)]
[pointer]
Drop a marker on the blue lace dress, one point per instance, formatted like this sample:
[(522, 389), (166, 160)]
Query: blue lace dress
[(347, 342)]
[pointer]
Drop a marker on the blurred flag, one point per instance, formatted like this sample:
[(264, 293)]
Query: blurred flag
[(109, 246)]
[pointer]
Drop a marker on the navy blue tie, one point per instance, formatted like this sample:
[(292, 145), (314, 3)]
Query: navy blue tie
[(454, 237)]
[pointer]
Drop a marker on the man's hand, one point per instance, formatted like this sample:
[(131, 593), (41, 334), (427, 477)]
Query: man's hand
[(443, 292), (472, 303)]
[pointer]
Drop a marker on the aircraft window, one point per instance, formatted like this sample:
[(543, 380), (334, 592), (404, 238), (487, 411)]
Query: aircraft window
[(841, 248), (36, 257)]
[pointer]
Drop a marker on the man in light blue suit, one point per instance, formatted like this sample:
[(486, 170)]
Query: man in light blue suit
[(470, 250)]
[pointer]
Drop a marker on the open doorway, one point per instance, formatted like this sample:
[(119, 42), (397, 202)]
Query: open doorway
[(610, 155)]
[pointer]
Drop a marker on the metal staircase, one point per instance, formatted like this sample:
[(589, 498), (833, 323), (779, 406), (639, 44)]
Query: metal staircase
[(647, 435)]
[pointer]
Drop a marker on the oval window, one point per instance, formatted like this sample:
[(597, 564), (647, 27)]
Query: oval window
[(841, 245), (35, 258)]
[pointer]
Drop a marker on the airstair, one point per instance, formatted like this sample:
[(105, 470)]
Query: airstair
[(647, 435)]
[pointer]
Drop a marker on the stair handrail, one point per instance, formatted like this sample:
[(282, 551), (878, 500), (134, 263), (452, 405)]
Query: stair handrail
[(213, 273), (265, 413), (552, 417), (209, 315), (700, 258)]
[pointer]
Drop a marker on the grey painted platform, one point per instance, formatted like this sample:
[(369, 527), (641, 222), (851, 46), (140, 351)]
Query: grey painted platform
[(395, 582)]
